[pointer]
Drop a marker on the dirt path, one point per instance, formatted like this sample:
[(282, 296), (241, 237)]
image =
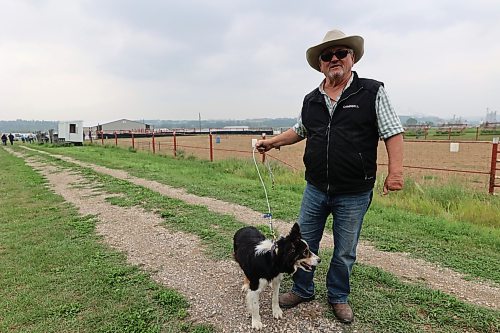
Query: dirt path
[(176, 260), (149, 245)]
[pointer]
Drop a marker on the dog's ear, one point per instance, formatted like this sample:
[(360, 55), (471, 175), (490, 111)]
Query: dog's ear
[(295, 232)]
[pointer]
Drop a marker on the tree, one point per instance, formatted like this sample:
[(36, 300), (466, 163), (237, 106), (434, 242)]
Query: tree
[(411, 121)]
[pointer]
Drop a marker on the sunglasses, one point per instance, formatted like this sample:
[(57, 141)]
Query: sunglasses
[(328, 55)]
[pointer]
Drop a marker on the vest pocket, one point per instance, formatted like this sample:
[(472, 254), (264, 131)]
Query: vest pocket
[(368, 162)]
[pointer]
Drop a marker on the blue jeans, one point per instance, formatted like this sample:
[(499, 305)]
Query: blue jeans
[(348, 211)]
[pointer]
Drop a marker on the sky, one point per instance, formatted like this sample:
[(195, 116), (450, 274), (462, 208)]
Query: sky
[(103, 60)]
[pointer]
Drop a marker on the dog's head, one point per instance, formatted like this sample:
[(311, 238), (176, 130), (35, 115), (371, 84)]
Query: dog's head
[(294, 252)]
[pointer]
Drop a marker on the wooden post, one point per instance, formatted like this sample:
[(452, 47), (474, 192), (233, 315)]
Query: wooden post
[(175, 145), (133, 141), (449, 133), (264, 153), (153, 141), (102, 137), (477, 133), (211, 147), (116, 139), (493, 169)]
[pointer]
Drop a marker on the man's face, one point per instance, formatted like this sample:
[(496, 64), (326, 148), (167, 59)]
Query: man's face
[(334, 68)]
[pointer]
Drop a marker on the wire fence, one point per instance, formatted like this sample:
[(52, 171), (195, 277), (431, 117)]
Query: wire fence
[(475, 162)]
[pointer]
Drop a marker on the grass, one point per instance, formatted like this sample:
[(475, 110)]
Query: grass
[(470, 134), (382, 302), (57, 276), (448, 225)]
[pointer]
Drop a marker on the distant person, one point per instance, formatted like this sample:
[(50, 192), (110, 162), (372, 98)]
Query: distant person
[(11, 138), (342, 120), (4, 139)]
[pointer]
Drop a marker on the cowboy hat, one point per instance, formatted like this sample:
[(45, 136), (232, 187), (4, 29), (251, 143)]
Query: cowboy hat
[(335, 38)]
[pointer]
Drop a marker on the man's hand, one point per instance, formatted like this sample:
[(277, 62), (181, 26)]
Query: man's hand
[(264, 145), (393, 182)]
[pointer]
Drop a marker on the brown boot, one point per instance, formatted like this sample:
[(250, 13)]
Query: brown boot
[(343, 312), (289, 300)]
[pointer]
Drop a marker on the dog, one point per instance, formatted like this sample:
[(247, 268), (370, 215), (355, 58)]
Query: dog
[(264, 262)]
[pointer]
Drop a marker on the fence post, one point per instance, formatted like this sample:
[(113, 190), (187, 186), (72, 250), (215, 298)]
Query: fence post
[(116, 139), (493, 169), (153, 139), (449, 133), (211, 147), (477, 133), (175, 145), (133, 141), (102, 137), (264, 153)]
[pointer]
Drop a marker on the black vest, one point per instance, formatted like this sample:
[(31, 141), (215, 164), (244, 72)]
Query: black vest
[(341, 151)]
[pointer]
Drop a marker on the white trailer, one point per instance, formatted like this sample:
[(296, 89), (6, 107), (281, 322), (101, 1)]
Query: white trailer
[(71, 131)]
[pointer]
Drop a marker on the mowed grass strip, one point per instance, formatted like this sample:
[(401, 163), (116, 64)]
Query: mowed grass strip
[(451, 226), (381, 301), (57, 276)]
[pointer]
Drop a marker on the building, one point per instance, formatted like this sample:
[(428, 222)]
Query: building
[(121, 126), (70, 131)]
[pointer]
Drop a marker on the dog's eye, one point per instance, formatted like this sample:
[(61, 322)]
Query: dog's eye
[(306, 252)]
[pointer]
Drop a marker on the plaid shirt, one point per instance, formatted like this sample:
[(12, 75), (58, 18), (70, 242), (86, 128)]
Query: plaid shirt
[(388, 121)]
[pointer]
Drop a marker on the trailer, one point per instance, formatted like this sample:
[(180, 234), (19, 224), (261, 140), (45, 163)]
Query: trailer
[(71, 131)]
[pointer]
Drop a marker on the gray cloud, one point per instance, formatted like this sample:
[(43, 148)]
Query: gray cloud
[(236, 59)]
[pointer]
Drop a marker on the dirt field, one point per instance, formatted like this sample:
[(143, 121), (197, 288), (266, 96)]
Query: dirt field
[(472, 156)]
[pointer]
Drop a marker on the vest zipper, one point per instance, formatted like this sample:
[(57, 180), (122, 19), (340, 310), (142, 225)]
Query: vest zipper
[(328, 155), (328, 141)]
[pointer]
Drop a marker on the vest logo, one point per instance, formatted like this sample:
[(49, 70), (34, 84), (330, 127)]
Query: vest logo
[(351, 106)]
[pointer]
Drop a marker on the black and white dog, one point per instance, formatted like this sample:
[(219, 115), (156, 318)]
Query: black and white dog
[(263, 261)]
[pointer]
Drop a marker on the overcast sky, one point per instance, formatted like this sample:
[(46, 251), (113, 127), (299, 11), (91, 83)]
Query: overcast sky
[(102, 60)]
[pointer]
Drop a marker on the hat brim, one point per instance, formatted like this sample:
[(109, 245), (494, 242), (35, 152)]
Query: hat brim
[(356, 43)]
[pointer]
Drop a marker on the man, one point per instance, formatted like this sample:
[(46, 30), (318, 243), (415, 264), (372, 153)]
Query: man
[(11, 138), (342, 121)]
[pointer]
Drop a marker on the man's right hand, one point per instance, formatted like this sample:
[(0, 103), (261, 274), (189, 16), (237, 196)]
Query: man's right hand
[(264, 145)]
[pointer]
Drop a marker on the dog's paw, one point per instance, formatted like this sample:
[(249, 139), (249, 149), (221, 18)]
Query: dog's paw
[(256, 324), (277, 313)]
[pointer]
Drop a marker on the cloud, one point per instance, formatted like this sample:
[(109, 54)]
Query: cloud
[(236, 59)]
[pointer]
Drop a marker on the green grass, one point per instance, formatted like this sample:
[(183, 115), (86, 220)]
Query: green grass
[(470, 134), (447, 225), (56, 276), (382, 302)]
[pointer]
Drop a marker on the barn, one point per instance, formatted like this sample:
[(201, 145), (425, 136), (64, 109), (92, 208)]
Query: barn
[(122, 125)]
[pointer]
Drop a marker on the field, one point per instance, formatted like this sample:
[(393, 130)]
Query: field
[(472, 156), (79, 251)]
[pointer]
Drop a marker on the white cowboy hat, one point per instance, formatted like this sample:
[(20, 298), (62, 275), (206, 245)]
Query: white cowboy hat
[(335, 38)]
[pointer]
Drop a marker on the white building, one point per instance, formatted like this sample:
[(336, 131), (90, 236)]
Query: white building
[(70, 131), (122, 125)]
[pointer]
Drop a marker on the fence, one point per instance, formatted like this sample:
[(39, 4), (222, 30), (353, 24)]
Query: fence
[(475, 162)]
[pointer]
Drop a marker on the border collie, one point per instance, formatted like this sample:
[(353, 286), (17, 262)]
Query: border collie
[(264, 262)]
